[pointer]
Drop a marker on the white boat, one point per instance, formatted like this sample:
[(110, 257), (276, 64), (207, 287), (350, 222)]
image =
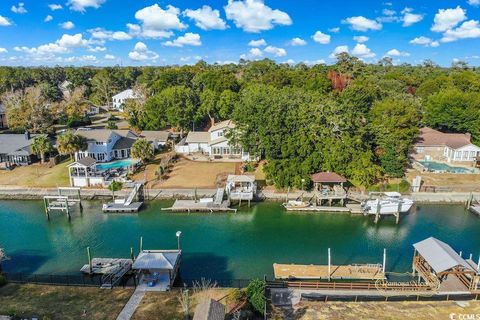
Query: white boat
[(296, 204), (387, 203)]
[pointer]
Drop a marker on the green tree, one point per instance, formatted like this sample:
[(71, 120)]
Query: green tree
[(69, 143), (115, 186), (143, 150), (256, 295), (41, 145)]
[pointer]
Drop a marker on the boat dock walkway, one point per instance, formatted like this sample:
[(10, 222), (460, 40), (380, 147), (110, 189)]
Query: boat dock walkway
[(349, 208), (200, 206), (113, 207), (112, 270), (318, 272)]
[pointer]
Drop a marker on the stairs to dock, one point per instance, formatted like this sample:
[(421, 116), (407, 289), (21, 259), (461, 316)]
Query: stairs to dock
[(132, 194), (109, 280), (219, 196)]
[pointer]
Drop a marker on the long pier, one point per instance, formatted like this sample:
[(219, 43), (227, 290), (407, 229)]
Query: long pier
[(199, 206)]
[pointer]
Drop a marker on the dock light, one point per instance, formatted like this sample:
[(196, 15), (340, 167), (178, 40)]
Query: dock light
[(178, 234)]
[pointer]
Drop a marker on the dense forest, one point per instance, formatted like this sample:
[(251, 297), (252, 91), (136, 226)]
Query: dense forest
[(357, 119)]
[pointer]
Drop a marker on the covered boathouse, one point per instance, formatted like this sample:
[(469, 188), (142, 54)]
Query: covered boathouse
[(157, 269), (439, 265), (329, 186)]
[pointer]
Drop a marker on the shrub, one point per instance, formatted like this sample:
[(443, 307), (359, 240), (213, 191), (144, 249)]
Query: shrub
[(256, 294), (3, 280)]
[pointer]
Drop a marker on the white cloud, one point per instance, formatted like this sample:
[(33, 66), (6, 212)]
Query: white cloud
[(409, 18), (68, 25), (255, 16), (109, 57), (62, 46), (97, 49), (48, 18), (397, 53), (257, 43), (446, 19), (141, 53), (4, 22), (277, 52), (3, 50), (467, 30), (315, 62), (338, 50), (81, 5), (334, 30), (389, 12), (361, 23), (20, 8), (206, 18), (188, 39), (137, 31), (102, 34), (86, 58), (321, 37), (72, 41), (297, 42), (361, 39), (362, 51), (55, 7), (474, 3), (425, 41), (156, 22), (255, 52)]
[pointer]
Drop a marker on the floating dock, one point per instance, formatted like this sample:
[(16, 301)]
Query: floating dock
[(112, 270), (320, 272), (113, 207), (200, 206), (349, 208)]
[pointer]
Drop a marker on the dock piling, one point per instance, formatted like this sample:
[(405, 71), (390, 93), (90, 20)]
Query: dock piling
[(384, 259), (132, 255), (329, 264), (89, 259), (141, 244)]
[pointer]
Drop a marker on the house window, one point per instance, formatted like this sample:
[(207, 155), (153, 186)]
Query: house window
[(123, 153), (458, 155), (226, 150), (99, 143), (220, 133), (465, 155), (216, 150), (101, 156)]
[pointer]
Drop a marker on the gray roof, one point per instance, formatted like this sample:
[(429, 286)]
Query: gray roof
[(16, 144), (156, 135), (102, 135), (198, 137), (209, 309), (124, 143), (240, 178), (218, 140), (157, 259), (440, 256), (86, 162), (222, 125)]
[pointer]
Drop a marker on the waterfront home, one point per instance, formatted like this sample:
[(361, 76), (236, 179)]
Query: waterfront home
[(157, 269), (119, 100), (15, 149), (3, 117), (105, 145), (158, 139), (433, 145), (209, 309), (213, 143), (83, 173)]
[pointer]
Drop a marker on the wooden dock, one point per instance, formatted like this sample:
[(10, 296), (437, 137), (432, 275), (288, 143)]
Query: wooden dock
[(349, 208), (112, 270), (199, 206), (112, 207), (320, 272)]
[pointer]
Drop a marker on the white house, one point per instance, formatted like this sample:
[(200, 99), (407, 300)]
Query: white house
[(158, 139), (449, 147), (119, 100), (105, 145), (213, 143)]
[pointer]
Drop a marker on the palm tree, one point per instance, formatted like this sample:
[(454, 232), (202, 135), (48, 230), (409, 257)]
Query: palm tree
[(115, 186), (40, 146), (143, 150), (69, 143)]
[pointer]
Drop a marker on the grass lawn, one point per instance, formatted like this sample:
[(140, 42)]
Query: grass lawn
[(57, 302), (193, 174), (37, 175), (455, 182)]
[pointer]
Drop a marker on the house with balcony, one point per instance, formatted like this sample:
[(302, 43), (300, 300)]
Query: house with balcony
[(105, 145), (119, 100), (433, 145), (213, 143)]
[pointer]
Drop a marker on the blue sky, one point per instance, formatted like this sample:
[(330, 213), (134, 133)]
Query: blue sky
[(139, 32)]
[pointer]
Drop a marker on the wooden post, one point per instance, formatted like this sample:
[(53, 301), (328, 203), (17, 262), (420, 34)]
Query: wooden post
[(132, 256), (67, 208), (141, 244), (286, 197), (478, 264), (413, 261), (384, 259), (89, 260), (47, 213), (460, 254), (399, 208), (80, 200), (377, 214), (329, 263)]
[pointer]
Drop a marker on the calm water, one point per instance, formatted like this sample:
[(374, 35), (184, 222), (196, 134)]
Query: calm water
[(225, 246)]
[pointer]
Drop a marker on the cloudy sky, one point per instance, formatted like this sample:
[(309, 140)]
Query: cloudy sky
[(139, 32)]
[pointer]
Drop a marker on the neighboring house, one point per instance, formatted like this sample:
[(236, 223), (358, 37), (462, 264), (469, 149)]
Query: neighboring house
[(449, 147), (15, 149), (3, 116), (158, 139), (105, 145), (119, 100), (65, 88), (209, 309), (92, 110), (213, 143)]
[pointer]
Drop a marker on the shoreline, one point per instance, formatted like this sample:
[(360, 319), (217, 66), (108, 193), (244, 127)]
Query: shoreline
[(25, 193)]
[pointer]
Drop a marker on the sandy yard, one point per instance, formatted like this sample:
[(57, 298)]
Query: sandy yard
[(383, 310), (454, 182)]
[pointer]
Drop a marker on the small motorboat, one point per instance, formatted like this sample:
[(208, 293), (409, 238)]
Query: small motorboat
[(387, 203), (296, 204)]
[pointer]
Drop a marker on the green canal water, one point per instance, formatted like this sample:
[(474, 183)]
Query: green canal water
[(225, 246)]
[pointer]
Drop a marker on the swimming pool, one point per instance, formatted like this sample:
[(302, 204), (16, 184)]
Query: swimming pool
[(116, 164), (443, 167)]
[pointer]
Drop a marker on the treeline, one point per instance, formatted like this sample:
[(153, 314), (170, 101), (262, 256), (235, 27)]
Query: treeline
[(357, 119)]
